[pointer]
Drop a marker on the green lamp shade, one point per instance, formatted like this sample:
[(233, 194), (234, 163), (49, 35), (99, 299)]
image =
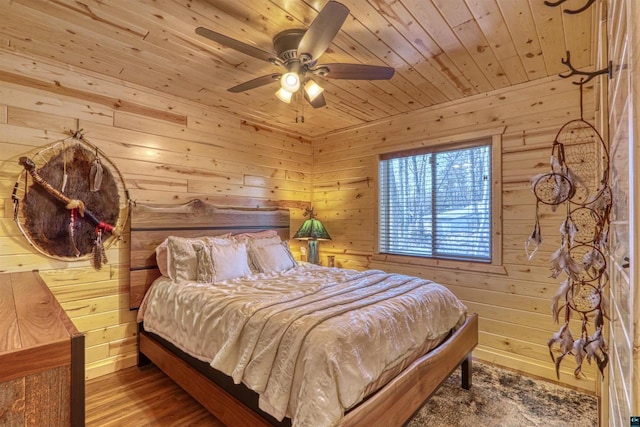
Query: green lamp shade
[(312, 229)]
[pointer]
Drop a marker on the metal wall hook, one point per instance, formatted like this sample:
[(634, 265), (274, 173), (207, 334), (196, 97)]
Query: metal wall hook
[(589, 74), (568, 11)]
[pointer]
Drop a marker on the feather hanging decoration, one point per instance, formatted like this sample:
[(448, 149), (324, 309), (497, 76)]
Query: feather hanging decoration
[(568, 230), (575, 181), (580, 354), (535, 239), (559, 191), (556, 167), (604, 304), (95, 174), (98, 253), (584, 231), (561, 262), (534, 180), (561, 337), (598, 319), (564, 340), (557, 262), (596, 349), (560, 293), (593, 262)]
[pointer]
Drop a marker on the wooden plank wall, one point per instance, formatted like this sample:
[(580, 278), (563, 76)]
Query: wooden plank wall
[(168, 150), (624, 134), (514, 308)]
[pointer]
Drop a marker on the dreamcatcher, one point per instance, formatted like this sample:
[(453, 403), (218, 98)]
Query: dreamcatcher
[(70, 201), (574, 183)]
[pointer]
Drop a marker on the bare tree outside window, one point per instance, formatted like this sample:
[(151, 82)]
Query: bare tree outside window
[(437, 204)]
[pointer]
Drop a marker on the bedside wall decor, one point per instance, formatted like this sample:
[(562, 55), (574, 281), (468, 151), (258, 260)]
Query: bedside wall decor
[(70, 201), (579, 183)]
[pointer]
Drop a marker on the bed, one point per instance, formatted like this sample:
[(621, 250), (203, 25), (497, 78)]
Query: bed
[(349, 385)]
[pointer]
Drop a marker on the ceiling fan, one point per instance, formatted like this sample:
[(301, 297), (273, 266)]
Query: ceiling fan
[(298, 50)]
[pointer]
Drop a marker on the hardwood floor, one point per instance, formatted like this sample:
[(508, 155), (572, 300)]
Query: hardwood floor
[(136, 398)]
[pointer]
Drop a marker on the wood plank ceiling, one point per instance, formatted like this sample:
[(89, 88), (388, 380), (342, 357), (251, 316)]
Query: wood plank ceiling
[(442, 50)]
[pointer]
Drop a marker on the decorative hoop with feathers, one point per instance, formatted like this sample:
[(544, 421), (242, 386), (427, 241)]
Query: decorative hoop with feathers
[(70, 201), (574, 182)]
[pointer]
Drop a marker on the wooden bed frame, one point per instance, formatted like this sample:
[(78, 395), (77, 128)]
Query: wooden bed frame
[(392, 405)]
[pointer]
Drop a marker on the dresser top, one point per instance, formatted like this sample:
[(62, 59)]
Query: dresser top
[(31, 316)]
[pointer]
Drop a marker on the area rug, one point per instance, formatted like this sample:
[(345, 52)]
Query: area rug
[(501, 398)]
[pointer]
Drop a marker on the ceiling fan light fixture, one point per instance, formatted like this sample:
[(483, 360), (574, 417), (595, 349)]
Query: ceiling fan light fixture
[(290, 82), (312, 89), (284, 95)]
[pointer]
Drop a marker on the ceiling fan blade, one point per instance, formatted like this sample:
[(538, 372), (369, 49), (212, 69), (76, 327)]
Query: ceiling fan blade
[(252, 84), (318, 101), (322, 30), (235, 44), (356, 72)]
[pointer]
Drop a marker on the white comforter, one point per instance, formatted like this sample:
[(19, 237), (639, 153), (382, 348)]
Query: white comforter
[(309, 340)]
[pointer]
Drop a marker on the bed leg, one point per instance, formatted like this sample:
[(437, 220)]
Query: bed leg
[(143, 361), (465, 367)]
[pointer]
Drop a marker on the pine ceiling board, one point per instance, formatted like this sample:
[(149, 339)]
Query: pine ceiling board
[(413, 86), (579, 39), (352, 45), (549, 23), (90, 11), (177, 24), (319, 120), (489, 18), (116, 58), (372, 92), (158, 39), (380, 25), (434, 18), (470, 35), (474, 41), (457, 49), (184, 20), (45, 50), (380, 104), (185, 16), (415, 91), (446, 49), (518, 17)]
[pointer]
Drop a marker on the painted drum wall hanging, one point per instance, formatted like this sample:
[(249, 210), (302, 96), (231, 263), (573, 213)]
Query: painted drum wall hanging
[(70, 201)]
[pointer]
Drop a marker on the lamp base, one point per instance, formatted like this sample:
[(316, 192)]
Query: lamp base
[(312, 256)]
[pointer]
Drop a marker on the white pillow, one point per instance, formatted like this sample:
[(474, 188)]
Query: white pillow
[(182, 259), (273, 258), (219, 240), (243, 237), (162, 255), (253, 244), (204, 270), (229, 261)]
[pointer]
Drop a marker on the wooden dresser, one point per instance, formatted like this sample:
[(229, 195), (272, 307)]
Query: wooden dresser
[(41, 356)]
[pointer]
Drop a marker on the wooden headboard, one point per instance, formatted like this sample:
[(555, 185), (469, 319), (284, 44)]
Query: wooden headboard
[(151, 224)]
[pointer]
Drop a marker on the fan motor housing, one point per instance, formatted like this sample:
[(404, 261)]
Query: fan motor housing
[(286, 44)]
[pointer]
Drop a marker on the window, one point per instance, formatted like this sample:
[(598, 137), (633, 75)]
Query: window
[(437, 202)]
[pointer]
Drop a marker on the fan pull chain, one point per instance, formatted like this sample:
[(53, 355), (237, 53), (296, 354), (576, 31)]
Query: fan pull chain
[(299, 119)]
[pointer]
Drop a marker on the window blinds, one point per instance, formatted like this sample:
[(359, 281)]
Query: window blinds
[(437, 204)]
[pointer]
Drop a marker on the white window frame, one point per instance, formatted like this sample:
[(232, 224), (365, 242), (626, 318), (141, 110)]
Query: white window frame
[(495, 266)]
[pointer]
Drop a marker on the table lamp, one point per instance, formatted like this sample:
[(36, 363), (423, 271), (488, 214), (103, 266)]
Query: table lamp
[(312, 230)]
